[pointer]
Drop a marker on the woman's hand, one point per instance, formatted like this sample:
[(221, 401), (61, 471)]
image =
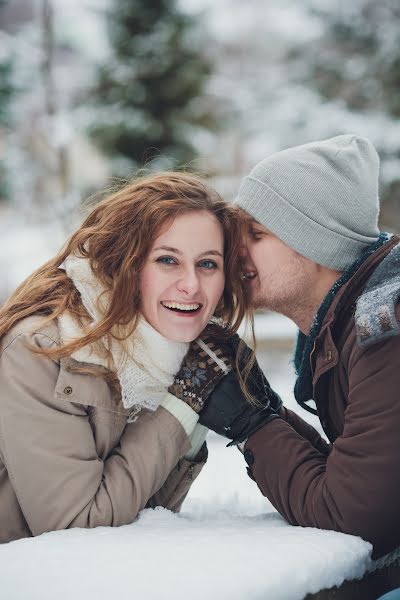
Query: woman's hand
[(208, 382), (202, 369)]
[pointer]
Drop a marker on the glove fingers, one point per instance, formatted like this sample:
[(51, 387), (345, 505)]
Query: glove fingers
[(203, 367)]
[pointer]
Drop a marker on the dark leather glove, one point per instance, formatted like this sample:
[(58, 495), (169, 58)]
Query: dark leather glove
[(230, 414)]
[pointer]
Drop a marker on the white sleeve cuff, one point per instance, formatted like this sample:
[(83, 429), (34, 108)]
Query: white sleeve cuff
[(186, 416), (197, 439)]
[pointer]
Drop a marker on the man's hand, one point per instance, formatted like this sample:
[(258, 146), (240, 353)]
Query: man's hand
[(207, 381), (230, 414)]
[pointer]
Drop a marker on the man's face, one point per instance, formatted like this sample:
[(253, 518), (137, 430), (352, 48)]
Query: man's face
[(278, 276)]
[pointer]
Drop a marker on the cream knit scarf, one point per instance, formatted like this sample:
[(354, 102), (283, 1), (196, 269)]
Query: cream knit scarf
[(148, 367)]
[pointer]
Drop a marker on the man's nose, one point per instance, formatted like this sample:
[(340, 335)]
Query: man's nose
[(189, 282), (245, 259)]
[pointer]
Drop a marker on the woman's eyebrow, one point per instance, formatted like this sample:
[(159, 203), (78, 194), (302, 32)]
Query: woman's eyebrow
[(212, 252), (176, 251), (168, 249)]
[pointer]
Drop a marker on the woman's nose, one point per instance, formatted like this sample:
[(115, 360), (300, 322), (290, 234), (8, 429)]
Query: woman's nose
[(189, 282)]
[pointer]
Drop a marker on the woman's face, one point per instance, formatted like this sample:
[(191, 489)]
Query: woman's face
[(183, 277)]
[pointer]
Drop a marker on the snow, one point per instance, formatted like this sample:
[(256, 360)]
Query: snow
[(226, 19), (162, 555), (24, 247), (272, 326), (88, 33)]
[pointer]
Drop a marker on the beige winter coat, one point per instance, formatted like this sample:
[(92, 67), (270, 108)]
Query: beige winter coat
[(68, 456)]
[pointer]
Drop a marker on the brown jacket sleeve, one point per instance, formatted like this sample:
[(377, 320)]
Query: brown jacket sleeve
[(356, 489), (48, 448), (306, 430)]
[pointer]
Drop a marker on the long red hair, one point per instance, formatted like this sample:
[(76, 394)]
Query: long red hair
[(116, 237)]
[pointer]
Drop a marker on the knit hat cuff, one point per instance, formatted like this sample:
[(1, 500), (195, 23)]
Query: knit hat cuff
[(296, 229)]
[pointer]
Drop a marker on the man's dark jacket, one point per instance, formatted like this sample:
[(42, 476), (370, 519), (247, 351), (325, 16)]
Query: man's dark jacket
[(353, 484)]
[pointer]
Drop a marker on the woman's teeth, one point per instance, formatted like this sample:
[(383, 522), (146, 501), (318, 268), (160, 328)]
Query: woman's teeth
[(178, 306)]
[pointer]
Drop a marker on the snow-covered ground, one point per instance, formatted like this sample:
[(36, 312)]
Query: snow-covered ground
[(202, 553), (227, 543)]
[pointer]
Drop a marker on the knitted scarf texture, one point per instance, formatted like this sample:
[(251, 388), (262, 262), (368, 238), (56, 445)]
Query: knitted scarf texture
[(149, 362), (303, 389)]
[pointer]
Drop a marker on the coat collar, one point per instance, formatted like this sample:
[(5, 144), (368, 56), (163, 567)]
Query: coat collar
[(339, 301), (342, 309)]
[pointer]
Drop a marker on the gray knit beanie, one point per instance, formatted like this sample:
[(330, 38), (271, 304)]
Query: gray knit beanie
[(321, 199)]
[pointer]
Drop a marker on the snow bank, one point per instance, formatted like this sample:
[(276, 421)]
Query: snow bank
[(228, 543), (164, 555)]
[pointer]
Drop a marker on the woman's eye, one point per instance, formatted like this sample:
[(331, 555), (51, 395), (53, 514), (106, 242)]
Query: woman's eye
[(166, 260), (208, 264)]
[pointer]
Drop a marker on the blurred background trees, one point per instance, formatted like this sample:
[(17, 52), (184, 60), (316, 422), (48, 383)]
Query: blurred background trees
[(7, 90), (357, 60), (95, 88), (358, 57), (150, 91), (6, 94)]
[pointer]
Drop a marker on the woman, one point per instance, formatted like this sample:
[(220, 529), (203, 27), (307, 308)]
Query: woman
[(97, 334)]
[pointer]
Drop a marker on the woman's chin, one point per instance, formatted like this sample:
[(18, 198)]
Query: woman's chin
[(180, 333), (182, 337)]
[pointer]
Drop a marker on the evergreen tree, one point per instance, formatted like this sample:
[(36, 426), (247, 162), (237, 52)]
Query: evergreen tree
[(357, 61), (6, 93), (358, 57), (150, 94)]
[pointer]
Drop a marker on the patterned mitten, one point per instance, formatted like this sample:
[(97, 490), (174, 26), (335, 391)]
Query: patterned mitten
[(203, 367)]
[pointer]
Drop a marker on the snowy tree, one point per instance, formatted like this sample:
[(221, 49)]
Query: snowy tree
[(37, 150), (150, 94), (7, 90), (358, 57), (356, 60)]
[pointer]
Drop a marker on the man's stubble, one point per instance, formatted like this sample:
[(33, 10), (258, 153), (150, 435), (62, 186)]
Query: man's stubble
[(286, 292)]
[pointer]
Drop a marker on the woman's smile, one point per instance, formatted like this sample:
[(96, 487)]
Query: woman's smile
[(183, 309)]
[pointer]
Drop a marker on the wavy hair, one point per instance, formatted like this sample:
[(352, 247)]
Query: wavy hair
[(116, 237)]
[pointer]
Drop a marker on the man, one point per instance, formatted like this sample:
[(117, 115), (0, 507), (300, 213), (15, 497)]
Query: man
[(315, 254)]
